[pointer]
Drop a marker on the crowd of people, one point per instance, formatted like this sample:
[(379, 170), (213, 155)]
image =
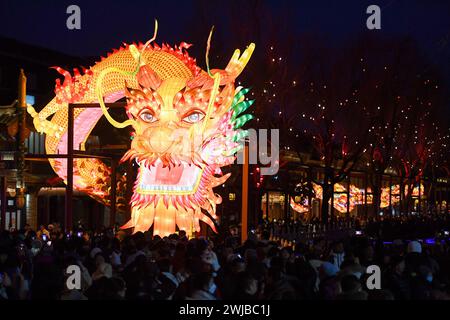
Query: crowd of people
[(116, 265)]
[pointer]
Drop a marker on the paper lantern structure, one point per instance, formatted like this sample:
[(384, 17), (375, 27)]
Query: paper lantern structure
[(186, 124)]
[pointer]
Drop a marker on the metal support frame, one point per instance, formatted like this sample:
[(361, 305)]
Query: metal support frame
[(244, 196), (71, 155), (70, 158)]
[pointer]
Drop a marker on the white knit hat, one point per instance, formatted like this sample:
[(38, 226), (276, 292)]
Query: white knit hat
[(414, 246), (95, 251)]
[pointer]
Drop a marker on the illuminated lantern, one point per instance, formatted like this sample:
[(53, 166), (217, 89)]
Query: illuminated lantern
[(186, 127)]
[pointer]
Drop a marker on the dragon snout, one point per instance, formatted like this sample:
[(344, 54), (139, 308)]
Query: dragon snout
[(161, 140)]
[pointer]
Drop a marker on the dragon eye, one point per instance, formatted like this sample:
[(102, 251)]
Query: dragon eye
[(194, 117), (147, 117)]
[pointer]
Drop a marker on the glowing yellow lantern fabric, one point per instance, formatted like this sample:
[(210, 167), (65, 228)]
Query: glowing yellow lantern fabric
[(186, 127)]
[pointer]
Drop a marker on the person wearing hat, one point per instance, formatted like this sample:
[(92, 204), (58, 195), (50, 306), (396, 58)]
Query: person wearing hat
[(414, 247), (414, 258)]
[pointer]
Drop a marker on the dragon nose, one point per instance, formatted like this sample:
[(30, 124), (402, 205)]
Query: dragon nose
[(161, 139)]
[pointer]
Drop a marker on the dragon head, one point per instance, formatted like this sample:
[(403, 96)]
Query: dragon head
[(186, 127)]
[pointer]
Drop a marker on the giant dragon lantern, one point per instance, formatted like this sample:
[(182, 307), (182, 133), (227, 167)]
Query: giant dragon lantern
[(186, 127)]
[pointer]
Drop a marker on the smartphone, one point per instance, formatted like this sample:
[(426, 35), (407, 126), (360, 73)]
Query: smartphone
[(79, 234), (358, 232), (44, 237), (22, 248), (49, 243)]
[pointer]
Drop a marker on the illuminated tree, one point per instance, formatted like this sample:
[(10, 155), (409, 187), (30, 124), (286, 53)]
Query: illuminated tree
[(404, 96)]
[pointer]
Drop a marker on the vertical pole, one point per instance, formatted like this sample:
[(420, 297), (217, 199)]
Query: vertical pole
[(366, 207), (287, 213), (310, 184), (447, 198), (21, 124), (3, 202), (129, 189), (331, 207), (69, 186), (244, 212), (113, 192), (438, 195), (420, 194), (348, 195), (390, 194)]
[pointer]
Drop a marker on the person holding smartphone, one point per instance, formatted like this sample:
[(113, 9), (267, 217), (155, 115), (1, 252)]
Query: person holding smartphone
[(43, 232)]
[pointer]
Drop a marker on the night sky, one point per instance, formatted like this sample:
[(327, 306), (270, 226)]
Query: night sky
[(106, 24)]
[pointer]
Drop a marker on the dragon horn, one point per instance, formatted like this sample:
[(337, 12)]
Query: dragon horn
[(216, 78), (238, 62), (137, 55)]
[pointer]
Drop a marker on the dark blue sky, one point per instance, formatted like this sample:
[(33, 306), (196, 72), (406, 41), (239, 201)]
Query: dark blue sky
[(106, 24)]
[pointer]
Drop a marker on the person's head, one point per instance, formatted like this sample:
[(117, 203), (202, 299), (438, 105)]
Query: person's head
[(414, 247), (350, 283), (426, 273), (27, 227), (398, 265), (286, 253), (115, 244), (265, 235), (237, 264), (119, 286), (328, 269), (338, 247), (165, 265), (274, 274), (247, 283), (42, 227), (204, 281), (368, 253), (99, 259), (234, 231), (182, 234)]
